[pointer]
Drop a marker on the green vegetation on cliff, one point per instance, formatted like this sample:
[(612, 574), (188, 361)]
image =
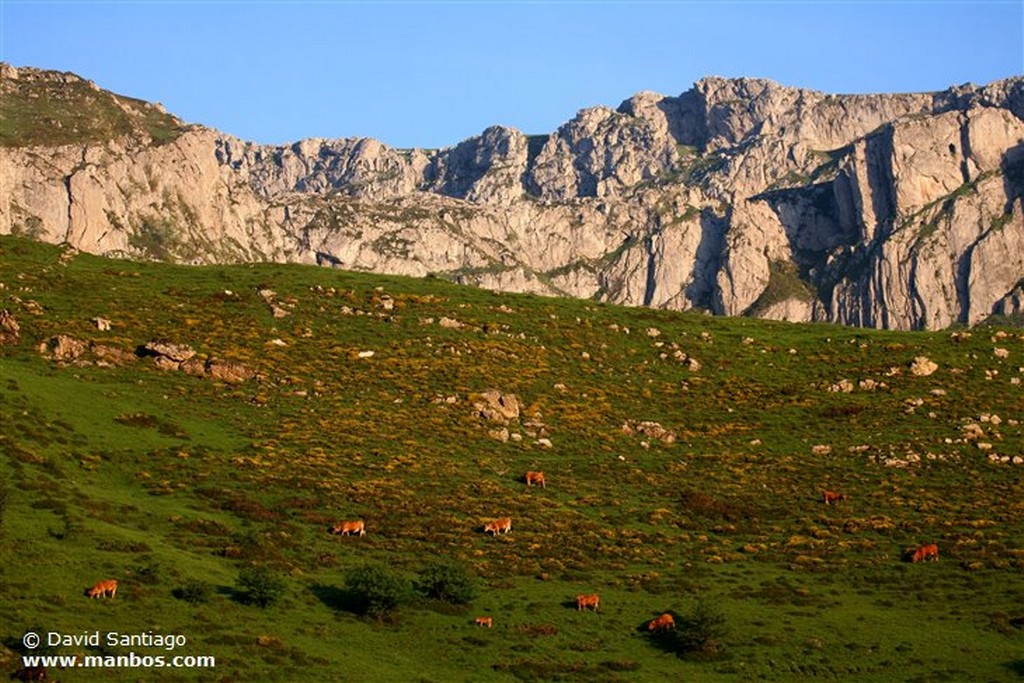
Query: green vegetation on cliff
[(48, 108)]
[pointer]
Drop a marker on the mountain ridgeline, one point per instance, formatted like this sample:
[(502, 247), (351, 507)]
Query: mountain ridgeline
[(739, 196)]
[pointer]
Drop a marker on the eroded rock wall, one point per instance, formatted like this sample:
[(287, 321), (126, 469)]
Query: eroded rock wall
[(739, 196)]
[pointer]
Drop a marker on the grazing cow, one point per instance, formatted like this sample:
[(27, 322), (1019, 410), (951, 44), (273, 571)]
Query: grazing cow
[(585, 601), (662, 623), (485, 621), (926, 552), (536, 478), (498, 526), (831, 497), (349, 528), (103, 589)]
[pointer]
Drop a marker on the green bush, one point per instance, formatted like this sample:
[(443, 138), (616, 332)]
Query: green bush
[(376, 591), (193, 592), (701, 633), (447, 582), (259, 586), (149, 572)]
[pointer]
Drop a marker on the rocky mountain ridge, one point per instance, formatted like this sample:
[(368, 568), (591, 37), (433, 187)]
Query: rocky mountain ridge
[(739, 196)]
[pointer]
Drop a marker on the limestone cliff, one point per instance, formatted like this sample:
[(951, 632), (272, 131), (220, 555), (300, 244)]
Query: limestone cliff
[(739, 196)]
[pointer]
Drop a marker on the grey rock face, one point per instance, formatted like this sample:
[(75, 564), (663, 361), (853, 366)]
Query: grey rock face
[(739, 196)]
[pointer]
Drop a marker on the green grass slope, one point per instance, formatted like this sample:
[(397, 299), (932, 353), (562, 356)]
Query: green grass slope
[(53, 108), (167, 481)]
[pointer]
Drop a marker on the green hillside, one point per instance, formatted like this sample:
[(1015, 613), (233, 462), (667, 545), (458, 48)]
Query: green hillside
[(173, 484), (53, 108)]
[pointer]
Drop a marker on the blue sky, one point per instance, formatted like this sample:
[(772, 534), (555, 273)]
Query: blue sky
[(429, 74)]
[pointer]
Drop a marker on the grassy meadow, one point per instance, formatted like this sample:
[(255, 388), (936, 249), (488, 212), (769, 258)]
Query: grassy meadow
[(174, 484)]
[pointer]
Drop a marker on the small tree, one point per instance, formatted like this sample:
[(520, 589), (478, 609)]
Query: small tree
[(193, 591), (259, 586), (376, 591), (447, 582), (702, 632)]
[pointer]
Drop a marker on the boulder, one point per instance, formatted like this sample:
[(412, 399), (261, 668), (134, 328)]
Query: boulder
[(649, 428), (922, 366), (10, 330), (111, 355), (843, 386), (228, 371), (165, 363), (194, 367), (495, 406), (179, 353), (66, 348)]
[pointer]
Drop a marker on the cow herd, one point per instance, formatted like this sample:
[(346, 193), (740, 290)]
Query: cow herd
[(660, 624), (928, 552)]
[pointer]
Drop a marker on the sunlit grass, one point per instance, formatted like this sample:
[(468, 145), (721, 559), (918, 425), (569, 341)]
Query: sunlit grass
[(167, 481)]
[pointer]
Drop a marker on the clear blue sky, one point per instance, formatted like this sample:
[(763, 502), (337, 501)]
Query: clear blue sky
[(429, 74)]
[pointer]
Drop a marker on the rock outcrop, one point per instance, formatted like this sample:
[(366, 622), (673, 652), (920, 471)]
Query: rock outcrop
[(64, 347), (10, 329), (739, 196), (495, 406)]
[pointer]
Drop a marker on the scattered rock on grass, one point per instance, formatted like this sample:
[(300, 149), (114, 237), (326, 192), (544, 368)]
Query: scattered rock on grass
[(107, 355), (230, 372), (495, 406), (843, 386), (649, 428), (10, 330), (64, 347), (177, 353), (922, 366)]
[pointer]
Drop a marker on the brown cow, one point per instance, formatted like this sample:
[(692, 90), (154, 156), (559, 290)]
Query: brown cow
[(103, 589), (662, 623), (926, 552), (536, 478), (585, 601), (831, 497), (349, 528), (498, 526), (485, 621)]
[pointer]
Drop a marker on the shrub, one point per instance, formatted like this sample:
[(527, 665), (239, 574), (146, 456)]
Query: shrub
[(447, 582), (702, 632), (376, 591), (193, 592), (67, 529), (149, 572), (259, 586)]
